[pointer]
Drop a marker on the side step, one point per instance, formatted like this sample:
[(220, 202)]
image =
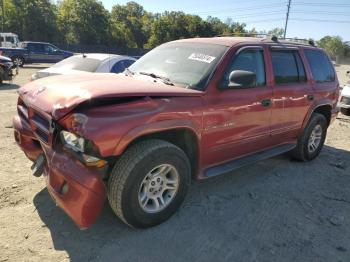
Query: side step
[(247, 160)]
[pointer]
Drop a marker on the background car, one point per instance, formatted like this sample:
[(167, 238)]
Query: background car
[(95, 63), (345, 98), (35, 52), (7, 70)]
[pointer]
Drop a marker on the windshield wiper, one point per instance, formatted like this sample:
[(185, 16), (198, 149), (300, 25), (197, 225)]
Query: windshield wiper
[(164, 79), (129, 72)]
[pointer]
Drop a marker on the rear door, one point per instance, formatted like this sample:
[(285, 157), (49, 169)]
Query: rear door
[(236, 120), (292, 93)]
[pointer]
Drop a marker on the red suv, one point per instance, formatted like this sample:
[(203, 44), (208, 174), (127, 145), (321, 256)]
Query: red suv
[(193, 108)]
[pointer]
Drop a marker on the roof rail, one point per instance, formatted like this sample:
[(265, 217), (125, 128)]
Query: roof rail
[(273, 38)]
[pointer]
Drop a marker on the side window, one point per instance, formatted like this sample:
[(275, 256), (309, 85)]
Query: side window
[(10, 39), (36, 47), (321, 68), (49, 48), (287, 67), (247, 60), (120, 66)]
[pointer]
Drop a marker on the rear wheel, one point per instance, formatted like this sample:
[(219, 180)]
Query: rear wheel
[(18, 61), (148, 183), (312, 139)]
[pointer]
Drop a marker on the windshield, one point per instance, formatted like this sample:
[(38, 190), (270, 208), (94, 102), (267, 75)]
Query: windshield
[(188, 64), (78, 63)]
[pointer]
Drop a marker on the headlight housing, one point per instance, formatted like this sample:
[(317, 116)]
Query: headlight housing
[(85, 150), (73, 141)]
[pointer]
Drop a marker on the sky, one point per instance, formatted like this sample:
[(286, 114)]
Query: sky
[(308, 18)]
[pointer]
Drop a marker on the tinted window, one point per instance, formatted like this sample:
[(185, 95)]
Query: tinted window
[(287, 67), (321, 68), (248, 60), (10, 39), (79, 63), (36, 47)]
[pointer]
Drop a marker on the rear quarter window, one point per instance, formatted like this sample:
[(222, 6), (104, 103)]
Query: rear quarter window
[(321, 67)]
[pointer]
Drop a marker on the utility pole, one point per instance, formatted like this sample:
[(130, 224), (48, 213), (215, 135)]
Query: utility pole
[(285, 27)]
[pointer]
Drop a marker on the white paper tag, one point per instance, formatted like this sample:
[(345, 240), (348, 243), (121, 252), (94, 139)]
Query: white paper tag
[(202, 58)]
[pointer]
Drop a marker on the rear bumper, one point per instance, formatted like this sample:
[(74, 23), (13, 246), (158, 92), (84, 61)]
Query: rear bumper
[(77, 189)]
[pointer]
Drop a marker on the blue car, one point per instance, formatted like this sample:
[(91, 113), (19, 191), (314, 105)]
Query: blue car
[(35, 52)]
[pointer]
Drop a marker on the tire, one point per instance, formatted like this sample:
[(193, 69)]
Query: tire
[(18, 61), (303, 151), (128, 183), (345, 111)]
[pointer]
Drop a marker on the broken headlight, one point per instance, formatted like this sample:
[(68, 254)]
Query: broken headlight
[(72, 141)]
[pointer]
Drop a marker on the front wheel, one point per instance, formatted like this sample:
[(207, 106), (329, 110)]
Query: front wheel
[(312, 139), (148, 183), (345, 111)]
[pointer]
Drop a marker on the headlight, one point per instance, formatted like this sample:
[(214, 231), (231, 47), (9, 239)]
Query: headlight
[(72, 141), (82, 146)]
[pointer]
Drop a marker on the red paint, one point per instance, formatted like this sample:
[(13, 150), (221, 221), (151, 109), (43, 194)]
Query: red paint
[(227, 124)]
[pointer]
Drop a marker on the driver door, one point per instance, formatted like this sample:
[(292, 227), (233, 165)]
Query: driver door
[(236, 121)]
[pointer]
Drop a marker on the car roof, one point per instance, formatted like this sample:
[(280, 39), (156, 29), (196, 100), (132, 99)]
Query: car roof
[(233, 40), (103, 56), (33, 42)]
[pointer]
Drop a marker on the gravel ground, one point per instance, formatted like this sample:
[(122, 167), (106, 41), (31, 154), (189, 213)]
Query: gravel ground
[(275, 210)]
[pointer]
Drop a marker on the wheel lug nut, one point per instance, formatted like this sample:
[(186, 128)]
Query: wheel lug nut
[(158, 179), (151, 190), (152, 183)]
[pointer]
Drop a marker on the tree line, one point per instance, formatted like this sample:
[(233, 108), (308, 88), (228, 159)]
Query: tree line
[(87, 22)]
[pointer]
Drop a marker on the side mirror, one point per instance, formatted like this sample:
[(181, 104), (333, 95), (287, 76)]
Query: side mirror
[(242, 78)]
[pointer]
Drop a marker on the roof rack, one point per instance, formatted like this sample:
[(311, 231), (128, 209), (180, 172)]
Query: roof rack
[(274, 38)]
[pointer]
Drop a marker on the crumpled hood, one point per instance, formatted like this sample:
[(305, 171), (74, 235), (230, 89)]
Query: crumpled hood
[(58, 95)]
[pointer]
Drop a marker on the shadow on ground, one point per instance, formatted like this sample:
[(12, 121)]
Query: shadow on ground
[(275, 210)]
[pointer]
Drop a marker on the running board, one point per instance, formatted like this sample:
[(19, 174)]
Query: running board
[(247, 160)]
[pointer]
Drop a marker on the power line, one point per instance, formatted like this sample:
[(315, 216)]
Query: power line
[(241, 9), (321, 20)]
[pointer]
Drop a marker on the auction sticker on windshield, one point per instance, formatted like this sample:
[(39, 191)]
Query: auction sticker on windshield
[(202, 58)]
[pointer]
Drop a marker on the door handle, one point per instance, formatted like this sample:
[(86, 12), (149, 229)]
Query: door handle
[(266, 102), (310, 97)]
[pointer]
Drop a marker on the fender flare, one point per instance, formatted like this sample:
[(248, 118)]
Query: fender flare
[(324, 102), (154, 127)]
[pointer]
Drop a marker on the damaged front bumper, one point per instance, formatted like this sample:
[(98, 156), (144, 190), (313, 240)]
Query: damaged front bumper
[(79, 190)]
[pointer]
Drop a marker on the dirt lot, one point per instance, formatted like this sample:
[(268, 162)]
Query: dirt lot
[(275, 210)]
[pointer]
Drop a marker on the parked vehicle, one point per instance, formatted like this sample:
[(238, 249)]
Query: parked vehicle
[(35, 52), (96, 63), (345, 98), (192, 108), (7, 70), (9, 40)]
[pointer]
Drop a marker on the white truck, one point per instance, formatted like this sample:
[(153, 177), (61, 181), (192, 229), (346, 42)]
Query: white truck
[(9, 40)]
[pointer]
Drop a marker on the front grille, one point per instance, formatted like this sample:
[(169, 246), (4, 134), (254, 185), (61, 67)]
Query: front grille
[(345, 100), (39, 123), (22, 110), (40, 126)]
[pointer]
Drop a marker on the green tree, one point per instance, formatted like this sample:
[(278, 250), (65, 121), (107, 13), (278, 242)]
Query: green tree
[(31, 19), (333, 45), (83, 22), (131, 22)]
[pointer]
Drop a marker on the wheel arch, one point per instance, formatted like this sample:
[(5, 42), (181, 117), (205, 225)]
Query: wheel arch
[(323, 109), (183, 136)]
